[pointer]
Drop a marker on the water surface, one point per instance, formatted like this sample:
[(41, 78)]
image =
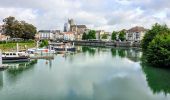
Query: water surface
[(88, 74)]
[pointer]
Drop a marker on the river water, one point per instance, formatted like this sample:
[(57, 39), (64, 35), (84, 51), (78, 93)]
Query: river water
[(88, 74)]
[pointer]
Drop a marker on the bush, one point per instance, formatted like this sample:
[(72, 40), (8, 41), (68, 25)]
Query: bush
[(44, 43), (158, 51)]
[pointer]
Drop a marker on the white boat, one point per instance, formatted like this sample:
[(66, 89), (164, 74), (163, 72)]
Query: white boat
[(40, 51), (15, 57)]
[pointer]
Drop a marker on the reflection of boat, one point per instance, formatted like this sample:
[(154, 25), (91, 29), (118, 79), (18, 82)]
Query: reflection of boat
[(64, 47), (15, 57)]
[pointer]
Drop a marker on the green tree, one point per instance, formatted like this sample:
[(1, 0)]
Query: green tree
[(84, 37), (122, 35), (104, 36), (18, 29), (158, 51), (150, 35), (29, 31), (44, 43), (92, 34), (114, 33)]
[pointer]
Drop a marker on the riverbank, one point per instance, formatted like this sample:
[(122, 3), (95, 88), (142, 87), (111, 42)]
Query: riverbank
[(106, 43), (12, 46)]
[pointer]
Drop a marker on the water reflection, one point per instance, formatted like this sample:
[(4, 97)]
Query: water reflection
[(90, 50), (1, 80), (157, 79), (133, 54), (16, 69)]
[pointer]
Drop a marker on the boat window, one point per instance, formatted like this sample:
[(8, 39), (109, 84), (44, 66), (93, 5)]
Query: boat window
[(14, 53), (10, 54), (7, 53)]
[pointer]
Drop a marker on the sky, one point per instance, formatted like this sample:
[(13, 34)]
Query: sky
[(107, 15)]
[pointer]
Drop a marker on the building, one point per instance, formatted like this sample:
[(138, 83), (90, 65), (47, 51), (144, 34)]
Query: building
[(3, 37), (69, 36), (70, 26), (59, 36), (99, 33), (48, 34), (135, 34)]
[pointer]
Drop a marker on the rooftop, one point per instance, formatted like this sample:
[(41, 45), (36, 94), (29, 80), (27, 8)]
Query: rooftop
[(137, 29)]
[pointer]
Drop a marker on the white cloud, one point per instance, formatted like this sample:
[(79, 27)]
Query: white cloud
[(109, 15)]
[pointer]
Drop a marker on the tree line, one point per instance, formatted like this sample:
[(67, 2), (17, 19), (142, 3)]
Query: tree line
[(156, 46), (18, 29)]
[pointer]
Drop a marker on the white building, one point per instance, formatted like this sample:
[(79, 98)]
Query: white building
[(135, 34), (99, 33), (69, 36), (48, 34), (3, 37)]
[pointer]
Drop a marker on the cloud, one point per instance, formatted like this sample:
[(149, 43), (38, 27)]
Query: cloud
[(109, 15)]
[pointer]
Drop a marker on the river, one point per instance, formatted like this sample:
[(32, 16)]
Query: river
[(88, 74)]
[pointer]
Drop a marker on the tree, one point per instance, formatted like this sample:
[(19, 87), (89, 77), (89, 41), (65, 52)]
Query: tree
[(114, 35), (104, 36), (122, 35), (84, 37), (150, 35), (158, 51), (44, 43), (18, 29), (92, 34), (29, 31)]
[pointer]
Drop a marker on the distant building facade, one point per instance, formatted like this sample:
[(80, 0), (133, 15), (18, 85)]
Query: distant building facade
[(77, 29), (99, 33), (48, 34), (3, 37), (69, 36), (135, 34)]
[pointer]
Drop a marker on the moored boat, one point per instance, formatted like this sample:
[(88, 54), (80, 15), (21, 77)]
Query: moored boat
[(15, 57), (64, 47)]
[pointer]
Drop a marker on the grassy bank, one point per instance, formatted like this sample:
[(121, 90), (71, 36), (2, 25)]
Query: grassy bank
[(12, 46)]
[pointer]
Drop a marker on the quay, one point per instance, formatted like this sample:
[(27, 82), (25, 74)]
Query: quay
[(100, 43)]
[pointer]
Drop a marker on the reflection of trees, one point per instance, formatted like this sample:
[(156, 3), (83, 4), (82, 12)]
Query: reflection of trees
[(15, 70), (113, 51), (122, 53), (158, 79), (90, 50), (1, 79), (133, 54)]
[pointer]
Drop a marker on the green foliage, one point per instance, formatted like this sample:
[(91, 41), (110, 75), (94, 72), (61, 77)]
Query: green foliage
[(156, 46), (158, 51), (122, 35), (150, 35), (104, 36), (114, 35), (92, 34), (84, 37), (44, 43), (18, 29)]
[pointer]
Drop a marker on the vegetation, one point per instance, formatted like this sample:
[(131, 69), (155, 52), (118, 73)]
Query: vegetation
[(104, 36), (114, 33), (151, 34), (90, 35), (122, 35), (44, 43), (12, 46), (18, 29), (156, 46), (84, 37)]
